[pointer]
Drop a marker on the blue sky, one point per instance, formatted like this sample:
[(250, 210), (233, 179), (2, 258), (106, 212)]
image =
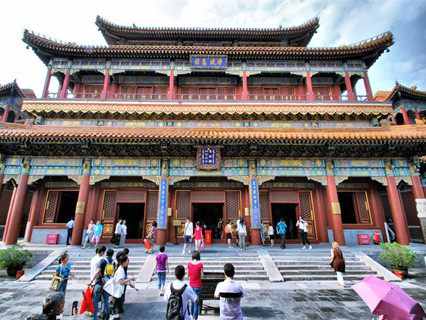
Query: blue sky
[(341, 22)]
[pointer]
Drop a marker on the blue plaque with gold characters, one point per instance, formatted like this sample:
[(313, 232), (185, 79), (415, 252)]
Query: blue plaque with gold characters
[(208, 62), (208, 158)]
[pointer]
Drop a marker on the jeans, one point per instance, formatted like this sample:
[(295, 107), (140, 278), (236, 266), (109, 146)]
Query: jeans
[(122, 240), (161, 275), (97, 294), (63, 287), (282, 240), (304, 236), (242, 237), (69, 235), (194, 305)]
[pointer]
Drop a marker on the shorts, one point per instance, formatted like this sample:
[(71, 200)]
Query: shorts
[(187, 239), (229, 236), (96, 238), (271, 237)]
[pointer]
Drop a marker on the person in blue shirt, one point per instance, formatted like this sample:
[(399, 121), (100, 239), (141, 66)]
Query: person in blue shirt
[(281, 230), (70, 226), (63, 271)]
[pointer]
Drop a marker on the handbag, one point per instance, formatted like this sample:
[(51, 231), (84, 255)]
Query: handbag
[(332, 264), (203, 246), (113, 289), (55, 284)]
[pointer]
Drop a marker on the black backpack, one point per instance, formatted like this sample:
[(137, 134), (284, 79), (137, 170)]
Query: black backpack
[(175, 304)]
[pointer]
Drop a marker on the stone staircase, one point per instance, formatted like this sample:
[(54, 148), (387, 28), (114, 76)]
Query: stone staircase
[(314, 265), (248, 266), (80, 263)]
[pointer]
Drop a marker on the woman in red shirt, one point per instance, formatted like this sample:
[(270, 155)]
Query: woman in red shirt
[(198, 236), (195, 273)]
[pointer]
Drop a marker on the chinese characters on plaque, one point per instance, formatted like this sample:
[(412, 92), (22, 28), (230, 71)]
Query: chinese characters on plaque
[(208, 158), (162, 212), (255, 203), (209, 62)]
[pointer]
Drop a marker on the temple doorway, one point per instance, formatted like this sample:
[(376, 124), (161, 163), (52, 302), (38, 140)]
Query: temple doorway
[(208, 214), (67, 203), (133, 213), (288, 212)]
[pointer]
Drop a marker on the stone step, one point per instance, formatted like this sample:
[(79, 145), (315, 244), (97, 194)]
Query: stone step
[(313, 268), (314, 277), (326, 272)]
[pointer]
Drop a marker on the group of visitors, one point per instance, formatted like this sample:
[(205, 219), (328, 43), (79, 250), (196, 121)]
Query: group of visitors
[(190, 233), (121, 233)]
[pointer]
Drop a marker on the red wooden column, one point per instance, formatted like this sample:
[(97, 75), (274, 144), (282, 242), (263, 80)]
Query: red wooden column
[(351, 95), (18, 207), (320, 215), (106, 84), (163, 201), (416, 110), (34, 214), (397, 208), (309, 85), (9, 213), (45, 93), (80, 209), (334, 205), (171, 85), (367, 87), (5, 114), (2, 167), (405, 116), (245, 88), (65, 84)]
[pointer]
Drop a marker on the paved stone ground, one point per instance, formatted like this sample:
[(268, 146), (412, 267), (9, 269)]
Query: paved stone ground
[(263, 300)]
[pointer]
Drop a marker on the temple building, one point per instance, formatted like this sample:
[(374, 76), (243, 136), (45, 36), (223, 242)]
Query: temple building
[(167, 123)]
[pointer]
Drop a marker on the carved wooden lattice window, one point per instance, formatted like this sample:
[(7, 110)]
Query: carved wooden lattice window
[(51, 204), (363, 207), (202, 196), (152, 205), (307, 213), (128, 196), (92, 91), (322, 93), (183, 205), (160, 92), (226, 93), (255, 93), (109, 204), (284, 196), (189, 93), (264, 205), (232, 204)]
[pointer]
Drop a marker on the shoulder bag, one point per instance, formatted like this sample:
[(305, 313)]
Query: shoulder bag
[(55, 284)]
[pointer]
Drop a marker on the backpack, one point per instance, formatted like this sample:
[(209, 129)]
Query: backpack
[(175, 304), (109, 271)]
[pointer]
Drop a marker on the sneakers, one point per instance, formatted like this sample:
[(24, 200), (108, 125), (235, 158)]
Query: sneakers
[(310, 247), (304, 247), (183, 252), (231, 247), (189, 251)]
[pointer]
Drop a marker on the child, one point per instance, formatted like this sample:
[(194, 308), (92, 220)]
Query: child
[(228, 233), (271, 234), (162, 268)]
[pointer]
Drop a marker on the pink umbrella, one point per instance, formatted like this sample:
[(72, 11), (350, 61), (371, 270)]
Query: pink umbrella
[(388, 299)]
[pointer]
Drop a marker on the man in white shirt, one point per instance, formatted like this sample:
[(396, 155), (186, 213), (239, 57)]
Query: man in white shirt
[(118, 229), (95, 260), (123, 233), (187, 238), (230, 293), (187, 295), (303, 230), (70, 226)]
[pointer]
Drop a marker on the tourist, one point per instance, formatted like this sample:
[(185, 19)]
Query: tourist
[(105, 270), (151, 235), (187, 238), (220, 227), (70, 227), (162, 268), (303, 230), (97, 231), (242, 232), (271, 234), (117, 231), (53, 306), (198, 236), (228, 233), (281, 230), (123, 234), (89, 233), (95, 260), (237, 235), (262, 233), (179, 288), (338, 263), (195, 273), (121, 278), (63, 271), (230, 293)]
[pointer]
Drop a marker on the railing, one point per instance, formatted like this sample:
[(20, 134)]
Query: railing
[(209, 97)]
